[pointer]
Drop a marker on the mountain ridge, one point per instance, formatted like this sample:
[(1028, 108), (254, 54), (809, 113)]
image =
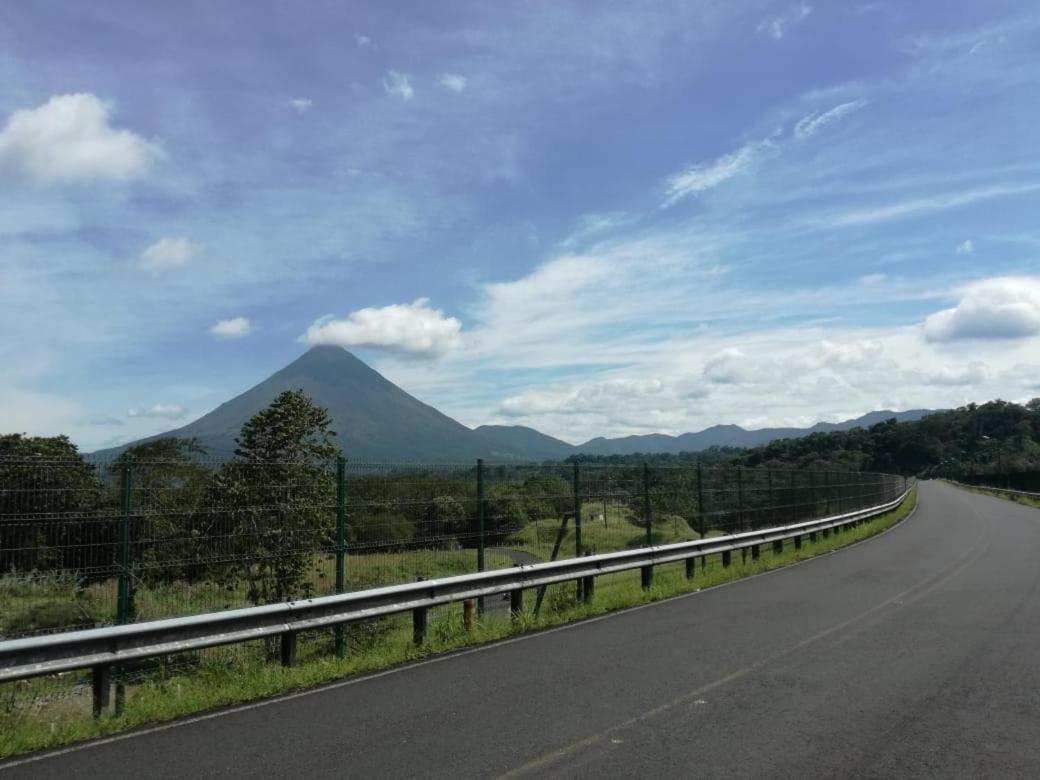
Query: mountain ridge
[(376, 419)]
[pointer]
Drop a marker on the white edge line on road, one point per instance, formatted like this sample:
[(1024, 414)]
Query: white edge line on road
[(188, 721)]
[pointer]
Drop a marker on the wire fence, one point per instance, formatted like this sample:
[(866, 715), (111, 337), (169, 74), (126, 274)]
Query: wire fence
[(87, 542), (1026, 481)]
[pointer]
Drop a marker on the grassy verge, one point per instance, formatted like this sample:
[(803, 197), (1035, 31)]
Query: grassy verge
[(226, 676), (998, 493)]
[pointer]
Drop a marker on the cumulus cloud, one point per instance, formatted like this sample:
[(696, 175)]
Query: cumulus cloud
[(998, 308), (809, 125), (161, 411), (301, 105), (776, 27), (705, 176), (452, 81), (70, 139), (965, 247), (234, 328), (166, 254), (398, 85), (408, 328)]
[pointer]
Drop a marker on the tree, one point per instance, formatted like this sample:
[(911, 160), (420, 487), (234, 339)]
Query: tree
[(276, 498), (170, 484), (50, 503)]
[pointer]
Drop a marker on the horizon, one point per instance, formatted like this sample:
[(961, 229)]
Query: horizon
[(330, 347), (638, 219)]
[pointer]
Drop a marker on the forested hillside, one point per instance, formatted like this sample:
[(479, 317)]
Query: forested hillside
[(995, 437)]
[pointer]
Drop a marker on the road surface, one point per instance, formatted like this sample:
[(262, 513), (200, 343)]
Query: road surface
[(914, 654)]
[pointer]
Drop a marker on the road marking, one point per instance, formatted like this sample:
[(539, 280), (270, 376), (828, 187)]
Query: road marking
[(908, 596), (189, 721)]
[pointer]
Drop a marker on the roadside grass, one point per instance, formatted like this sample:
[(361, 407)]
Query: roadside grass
[(1029, 501), (40, 603), (49, 713)]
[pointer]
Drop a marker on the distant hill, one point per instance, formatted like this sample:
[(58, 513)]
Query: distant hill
[(731, 436), (376, 419)]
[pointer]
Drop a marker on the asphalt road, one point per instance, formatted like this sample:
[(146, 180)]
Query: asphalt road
[(915, 654)]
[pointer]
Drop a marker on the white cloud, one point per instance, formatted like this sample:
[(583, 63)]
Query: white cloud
[(362, 40), (917, 206), (777, 27), (69, 139), (809, 125), (399, 85), (974, 373), (301, 105), (872, 280), (408, 328), (705, 176), (452, 81), (965, 247), (166, 254), (161, 411), (232, 329), (729, 367), (998, 308)]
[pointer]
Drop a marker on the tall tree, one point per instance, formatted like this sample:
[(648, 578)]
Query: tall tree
[(275, 499)]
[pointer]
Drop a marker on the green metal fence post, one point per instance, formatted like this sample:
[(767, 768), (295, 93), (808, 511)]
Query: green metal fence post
[(648, 517), (577, 512), (647, 572), (701, 523), (579, 586), (124, 587), (772, 505), (123, 598), (341, 541), (480, 527)]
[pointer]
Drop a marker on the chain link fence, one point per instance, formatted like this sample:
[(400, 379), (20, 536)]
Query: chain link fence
[(86, 542)]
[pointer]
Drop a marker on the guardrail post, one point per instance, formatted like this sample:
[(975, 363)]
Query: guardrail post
[(646, 577), (516, 601), (727, 558), (690, 565), (341, 542), (755, 552), (288, 649), (798, 542), (778, 547), (588, 585), (101, 685), (480, 527), (577, 525), (420, 616), (469, 611), (124, 588), (812, 537)]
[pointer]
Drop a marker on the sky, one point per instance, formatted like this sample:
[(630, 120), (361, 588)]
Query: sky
[(591, 218)]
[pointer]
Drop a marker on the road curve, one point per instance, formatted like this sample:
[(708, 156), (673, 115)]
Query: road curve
[(913, 654)]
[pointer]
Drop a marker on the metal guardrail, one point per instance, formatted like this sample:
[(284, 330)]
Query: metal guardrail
[(103, 648), (994, 489)]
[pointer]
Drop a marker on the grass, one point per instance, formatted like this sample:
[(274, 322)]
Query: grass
[(41, 603), (225, 676)]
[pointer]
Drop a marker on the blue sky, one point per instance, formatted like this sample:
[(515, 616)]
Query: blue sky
[(591, 218)]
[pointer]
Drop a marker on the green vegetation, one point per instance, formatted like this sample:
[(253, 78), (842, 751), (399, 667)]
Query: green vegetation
[(224, 676), (995, 437), (1030, 501)]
